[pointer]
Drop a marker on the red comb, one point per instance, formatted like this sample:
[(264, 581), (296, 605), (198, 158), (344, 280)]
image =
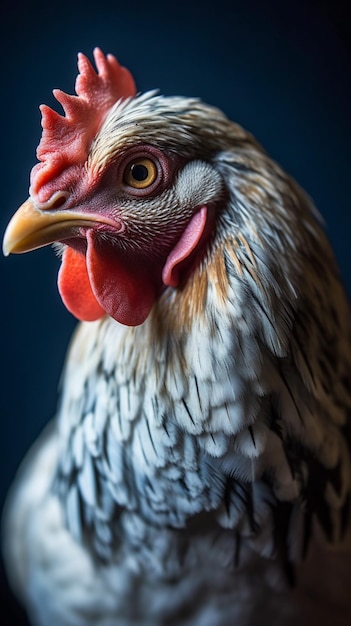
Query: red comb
[(66, 139)]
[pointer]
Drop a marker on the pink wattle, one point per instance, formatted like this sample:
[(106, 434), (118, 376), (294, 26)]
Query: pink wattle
[(185, 246), (123, 288)]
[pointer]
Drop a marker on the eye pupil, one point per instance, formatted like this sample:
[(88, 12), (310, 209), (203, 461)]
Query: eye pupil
[(139, 172)]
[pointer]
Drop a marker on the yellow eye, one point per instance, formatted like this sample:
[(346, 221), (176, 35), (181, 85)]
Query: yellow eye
[(140, 173)]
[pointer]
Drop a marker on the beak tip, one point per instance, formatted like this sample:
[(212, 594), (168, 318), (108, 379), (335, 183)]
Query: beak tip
[(6, 246)]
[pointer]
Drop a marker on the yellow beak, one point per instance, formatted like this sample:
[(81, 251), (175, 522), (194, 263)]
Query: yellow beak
[(31, 228)]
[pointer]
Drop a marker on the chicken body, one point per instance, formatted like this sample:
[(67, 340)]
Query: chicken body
[(199, 469)]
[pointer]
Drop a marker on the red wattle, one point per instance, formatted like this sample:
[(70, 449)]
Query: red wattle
[(74, 287), (185, 246)]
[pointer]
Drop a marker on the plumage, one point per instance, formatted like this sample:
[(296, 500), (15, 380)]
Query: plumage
[(198, 471)]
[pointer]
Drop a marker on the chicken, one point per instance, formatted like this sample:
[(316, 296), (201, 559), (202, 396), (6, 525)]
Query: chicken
[(198, 472)]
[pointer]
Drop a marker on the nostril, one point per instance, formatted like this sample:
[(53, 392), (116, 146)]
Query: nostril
[(57, 200)]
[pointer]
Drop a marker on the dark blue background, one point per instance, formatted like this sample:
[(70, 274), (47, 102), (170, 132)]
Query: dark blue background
[(281, 69)]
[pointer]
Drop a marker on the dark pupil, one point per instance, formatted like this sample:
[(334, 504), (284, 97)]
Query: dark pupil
[(139, 172)]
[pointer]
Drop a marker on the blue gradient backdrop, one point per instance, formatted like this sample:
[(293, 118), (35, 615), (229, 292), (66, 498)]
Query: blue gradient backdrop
[(281, 69)]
